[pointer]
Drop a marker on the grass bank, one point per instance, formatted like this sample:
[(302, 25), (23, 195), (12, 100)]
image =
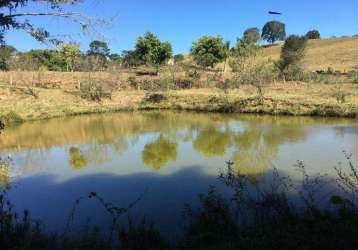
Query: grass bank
[(298, 99)]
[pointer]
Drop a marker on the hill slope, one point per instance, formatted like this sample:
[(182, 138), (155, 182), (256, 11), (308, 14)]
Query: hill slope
[(339, 54)]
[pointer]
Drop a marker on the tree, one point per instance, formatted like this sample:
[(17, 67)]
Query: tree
[(292, 51), (98, 54), (209, 50), (70, 52), (151, 50), (12, 17), (99, 48), (6, 52), (313, 34), (274, 31), (252, 35)]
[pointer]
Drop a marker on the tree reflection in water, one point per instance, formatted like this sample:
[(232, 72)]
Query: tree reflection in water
[(158, 153)]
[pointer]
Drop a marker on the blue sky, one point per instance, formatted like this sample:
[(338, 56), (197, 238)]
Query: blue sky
[(183, 21)]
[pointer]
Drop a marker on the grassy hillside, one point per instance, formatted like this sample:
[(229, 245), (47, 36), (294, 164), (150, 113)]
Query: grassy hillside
[(339, 54)]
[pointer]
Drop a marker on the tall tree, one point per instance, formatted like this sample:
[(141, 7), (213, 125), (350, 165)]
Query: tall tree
[(98, 54), (274, 31), (209, 50)]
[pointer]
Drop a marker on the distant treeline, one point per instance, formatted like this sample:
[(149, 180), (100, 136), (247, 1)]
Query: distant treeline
[(149, 50)]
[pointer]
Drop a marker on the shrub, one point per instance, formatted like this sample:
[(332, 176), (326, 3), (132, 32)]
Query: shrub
[(292, 51), (93, 92)]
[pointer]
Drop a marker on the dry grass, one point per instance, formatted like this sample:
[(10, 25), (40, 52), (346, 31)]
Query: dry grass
[(289, 98), (339, 54)]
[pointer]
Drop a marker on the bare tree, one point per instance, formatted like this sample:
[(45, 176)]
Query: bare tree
[(12, 17)]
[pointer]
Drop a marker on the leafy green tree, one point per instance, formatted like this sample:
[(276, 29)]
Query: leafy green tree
[(151, 50), (158, 153), (274, 31), (209, 50), (70, 52), (252, 35), (313, 34), (292, 51), (6, 52)]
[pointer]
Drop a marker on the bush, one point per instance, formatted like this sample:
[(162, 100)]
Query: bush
[(93, 92)]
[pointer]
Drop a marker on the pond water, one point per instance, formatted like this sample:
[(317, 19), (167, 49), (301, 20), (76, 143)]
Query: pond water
[(168, 157)]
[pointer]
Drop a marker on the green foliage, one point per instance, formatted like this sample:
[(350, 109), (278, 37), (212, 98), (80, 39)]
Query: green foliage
[(209, 50), (313, 34), (252, 35), (274, 31), (244, 49), (6, 52), (70, 52), (50, 59), (11, 117), (292, 51), (151, 50)]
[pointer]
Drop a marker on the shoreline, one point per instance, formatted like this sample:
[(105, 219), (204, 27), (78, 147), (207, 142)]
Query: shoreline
[(19, 107)]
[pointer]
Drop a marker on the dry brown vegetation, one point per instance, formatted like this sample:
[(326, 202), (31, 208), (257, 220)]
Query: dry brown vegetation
[(339, 54), (44, 94)]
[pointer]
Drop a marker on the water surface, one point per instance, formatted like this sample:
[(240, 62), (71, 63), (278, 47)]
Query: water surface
[(169, 156)]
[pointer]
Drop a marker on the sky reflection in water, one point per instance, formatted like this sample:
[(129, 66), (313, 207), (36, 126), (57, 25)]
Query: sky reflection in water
[(173, 155)]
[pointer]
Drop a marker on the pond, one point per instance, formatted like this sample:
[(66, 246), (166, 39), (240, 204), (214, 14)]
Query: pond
[(167, 158)]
